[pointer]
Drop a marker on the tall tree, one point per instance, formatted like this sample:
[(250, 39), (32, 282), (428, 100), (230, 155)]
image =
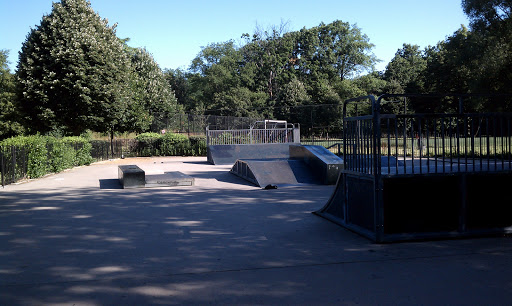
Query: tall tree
[(487, 13), (335, 50), (9, 125), (269, 52), (153, 98), (405, 70), (72, 72)]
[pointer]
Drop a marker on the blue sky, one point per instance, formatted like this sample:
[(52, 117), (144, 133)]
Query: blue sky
[(175, 30)]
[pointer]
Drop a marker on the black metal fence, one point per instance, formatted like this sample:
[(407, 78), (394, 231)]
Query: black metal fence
[(118, 148), (426, 143), (13, 165), (415, 176)]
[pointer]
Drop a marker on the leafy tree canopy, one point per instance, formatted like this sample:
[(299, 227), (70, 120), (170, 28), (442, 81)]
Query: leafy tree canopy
[(72, 72), (8, 110)]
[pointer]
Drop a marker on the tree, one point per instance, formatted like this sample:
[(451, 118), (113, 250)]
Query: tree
[(267, 57), (9, 125), (214, 71), (335, 50), (406, 69), (72, 72), (153, 98), (180, 85), (487, 13)]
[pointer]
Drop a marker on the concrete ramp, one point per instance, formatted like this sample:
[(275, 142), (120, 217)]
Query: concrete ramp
[(274, 172), (325, 165), (229, 154), (334, 209)]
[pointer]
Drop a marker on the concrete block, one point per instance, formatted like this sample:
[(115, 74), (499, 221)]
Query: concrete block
[(131, 176)]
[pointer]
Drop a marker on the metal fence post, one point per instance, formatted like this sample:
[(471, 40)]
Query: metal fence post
[(13, 150), (2, 167)]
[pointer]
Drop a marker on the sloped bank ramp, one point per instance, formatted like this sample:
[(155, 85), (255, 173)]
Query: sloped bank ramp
[(274, 172), (303, 165)]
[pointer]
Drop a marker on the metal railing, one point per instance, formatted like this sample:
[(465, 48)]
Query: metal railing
[(426, 143), (289, 134), (13, 165)]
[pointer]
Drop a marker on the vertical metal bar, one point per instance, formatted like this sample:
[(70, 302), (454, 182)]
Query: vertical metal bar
[(458, 142), (501, 140), (13, 164), (480, 123), (412, 144), (472, 132), (420, 144), (428, 144), (404, 135), (488, 141), (344, 141), (378, 202), (368, 147), (465, 129), (396, 145), (443, 143), (450, 135), (509, 143), (495, 144), (389, 145), (435, 145), (2, 165)]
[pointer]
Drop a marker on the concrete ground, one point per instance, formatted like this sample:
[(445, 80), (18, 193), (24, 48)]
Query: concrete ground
[(76, 238)]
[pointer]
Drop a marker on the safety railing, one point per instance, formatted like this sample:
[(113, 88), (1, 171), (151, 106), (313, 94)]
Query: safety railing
[(13, 164), (253, 136), (426, 143)]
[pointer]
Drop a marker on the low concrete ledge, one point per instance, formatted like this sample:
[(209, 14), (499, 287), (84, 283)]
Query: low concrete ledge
[(169, 179), (131, 176)]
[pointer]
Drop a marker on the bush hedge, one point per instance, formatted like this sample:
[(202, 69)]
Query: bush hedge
[(39, 155), (46, 154), (148, 144), (170, 144), (175, 145)]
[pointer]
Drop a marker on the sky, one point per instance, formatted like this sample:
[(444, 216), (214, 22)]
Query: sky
[(174, 31)]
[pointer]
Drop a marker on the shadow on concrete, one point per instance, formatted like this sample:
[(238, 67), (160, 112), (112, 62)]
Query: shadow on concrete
[(222, 246), (197, 162), (110, 184)]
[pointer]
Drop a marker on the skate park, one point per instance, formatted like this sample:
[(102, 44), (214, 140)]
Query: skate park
[(79, 237)]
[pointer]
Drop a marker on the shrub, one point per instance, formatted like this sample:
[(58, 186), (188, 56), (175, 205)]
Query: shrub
[(82, 148), (175, 145), (35, 153), (60, 155), (45, 154), (198, 144), (148, 144)]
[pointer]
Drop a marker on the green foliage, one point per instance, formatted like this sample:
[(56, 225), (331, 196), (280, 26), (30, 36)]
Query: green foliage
[(72, 72), (9, 117), (37, 153), (60, 155), (148, 144), (198, 145), (175, 145), (405, 70), (82, 147), (152, 95), (47, 154), (275, 72)]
